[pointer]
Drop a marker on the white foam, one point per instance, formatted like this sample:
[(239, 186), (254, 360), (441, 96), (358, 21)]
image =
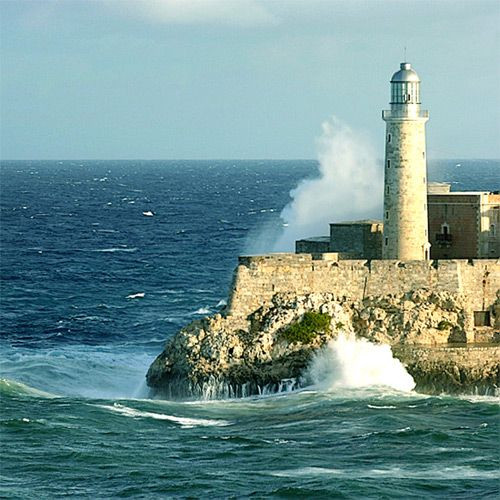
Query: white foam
[(148, 213), (448, 473), (350, 362), (113, 250), (139, 295), (348, 187), (202, 310), (182, 421), (306, 471)]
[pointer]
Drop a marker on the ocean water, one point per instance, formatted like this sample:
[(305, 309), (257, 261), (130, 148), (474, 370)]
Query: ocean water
[(101, 262)]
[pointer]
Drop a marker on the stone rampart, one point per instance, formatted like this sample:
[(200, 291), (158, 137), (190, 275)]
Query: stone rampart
[(258, 278)]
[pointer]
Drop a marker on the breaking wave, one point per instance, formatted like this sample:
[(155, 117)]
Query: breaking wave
[(350, 362)]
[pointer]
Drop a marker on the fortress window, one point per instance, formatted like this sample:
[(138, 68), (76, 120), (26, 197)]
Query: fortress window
[(387, 189), (388, 137), (423, 154), (387, 215), (482, 318), (386, 241), (388, 163), (492, 230)]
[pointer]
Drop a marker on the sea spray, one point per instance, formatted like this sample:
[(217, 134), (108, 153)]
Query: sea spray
[(350, 362), (349, 187)]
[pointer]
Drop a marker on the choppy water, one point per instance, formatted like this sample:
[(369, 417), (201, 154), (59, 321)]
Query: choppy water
[(92, 285)]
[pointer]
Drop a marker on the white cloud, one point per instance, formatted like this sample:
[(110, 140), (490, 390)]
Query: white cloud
[(227, 12)]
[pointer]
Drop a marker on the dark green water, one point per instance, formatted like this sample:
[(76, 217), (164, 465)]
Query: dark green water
[(360, 444)]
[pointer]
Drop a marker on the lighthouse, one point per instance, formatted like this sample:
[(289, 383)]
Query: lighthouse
[(405, 171)]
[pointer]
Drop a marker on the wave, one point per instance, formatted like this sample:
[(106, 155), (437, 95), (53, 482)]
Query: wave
[(351, 363), (443, 473), (113, 250), (201, 310), (86, 371), (184, 422), (13, 388)]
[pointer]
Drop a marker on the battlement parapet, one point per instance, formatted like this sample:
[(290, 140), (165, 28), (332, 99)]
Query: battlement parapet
[(258, 278)]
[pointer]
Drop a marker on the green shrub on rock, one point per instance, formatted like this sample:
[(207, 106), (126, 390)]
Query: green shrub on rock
[(307, 328), (444, 325)]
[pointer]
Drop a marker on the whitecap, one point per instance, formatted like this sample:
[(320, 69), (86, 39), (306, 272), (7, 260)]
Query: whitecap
[(306, 471), (148, 213), (138, 295), (388, 407), (202, 310), (184, 422), (112, 250), (221, 303)]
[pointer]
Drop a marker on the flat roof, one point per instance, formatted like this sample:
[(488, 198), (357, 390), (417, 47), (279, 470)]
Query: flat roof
[(316, 238), (352, 222), (463, 193)]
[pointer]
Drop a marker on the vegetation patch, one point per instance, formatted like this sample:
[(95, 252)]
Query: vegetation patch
[(444, 325), (307, 328)]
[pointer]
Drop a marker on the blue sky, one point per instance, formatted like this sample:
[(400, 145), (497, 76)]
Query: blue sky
[(239, 78)]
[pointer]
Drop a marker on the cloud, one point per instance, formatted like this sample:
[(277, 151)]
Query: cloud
[(243, 13)]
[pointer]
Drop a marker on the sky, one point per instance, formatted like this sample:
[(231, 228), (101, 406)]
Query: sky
[(213, 79)]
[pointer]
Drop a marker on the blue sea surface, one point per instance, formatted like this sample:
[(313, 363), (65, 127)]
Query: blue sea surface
[(102, 261)]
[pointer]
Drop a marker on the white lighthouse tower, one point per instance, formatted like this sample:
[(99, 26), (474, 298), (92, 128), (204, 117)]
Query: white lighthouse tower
[(405, 180)]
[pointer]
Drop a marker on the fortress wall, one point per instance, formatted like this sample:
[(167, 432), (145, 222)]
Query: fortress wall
[(258, 278)]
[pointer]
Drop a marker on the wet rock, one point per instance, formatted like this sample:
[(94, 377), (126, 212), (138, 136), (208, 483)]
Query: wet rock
[(241, 356)]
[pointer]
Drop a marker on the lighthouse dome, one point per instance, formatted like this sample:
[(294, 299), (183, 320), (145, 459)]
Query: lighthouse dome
[(405, 74)]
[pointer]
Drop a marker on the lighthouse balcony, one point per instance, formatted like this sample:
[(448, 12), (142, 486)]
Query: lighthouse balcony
[(389, 114)]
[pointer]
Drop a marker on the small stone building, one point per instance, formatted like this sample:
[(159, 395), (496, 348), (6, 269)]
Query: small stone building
[(354, 240)]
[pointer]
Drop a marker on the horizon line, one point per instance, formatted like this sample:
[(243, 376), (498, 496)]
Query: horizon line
[(221, 159)]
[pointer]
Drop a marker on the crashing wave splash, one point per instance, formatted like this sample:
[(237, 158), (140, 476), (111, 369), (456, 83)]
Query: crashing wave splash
[(344, 363), (350, 362)]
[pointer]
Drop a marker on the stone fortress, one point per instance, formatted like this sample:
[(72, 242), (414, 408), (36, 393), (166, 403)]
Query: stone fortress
[(457, 230), (421, 220), (425, 281)]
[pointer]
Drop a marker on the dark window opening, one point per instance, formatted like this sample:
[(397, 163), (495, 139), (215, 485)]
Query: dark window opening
[(386, 241), (388, 137), (482, 318), (388, 163)]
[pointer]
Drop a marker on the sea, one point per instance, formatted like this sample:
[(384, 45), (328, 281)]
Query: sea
[(103, 261)]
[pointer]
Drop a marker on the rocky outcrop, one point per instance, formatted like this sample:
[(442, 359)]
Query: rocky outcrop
[(453, 370), (233, 356)]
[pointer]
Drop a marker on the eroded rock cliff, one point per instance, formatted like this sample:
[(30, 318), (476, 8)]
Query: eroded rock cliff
[(231, 356)]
